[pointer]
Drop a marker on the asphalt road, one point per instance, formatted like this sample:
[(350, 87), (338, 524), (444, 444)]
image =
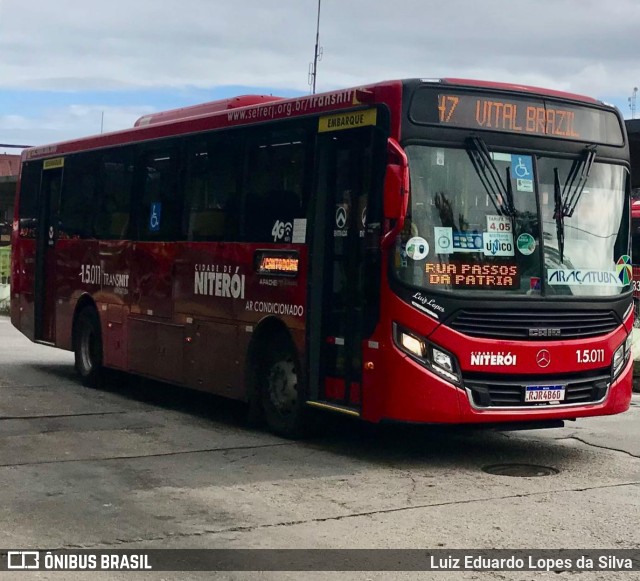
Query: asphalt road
[(142, 464)]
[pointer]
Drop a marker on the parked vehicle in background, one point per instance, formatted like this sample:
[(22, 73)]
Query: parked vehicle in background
[(5, 270), (635, 254)]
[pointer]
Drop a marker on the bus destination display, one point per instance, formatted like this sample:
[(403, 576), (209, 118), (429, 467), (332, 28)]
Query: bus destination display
[(492, 113), (530, 116)]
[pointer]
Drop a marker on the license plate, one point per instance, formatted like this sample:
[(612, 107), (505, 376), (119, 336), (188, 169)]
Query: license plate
[(544, 393)]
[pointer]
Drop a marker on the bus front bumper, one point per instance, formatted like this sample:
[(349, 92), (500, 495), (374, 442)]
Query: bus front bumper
[(414, 394)]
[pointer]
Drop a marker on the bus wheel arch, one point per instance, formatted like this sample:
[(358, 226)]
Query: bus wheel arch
[(87, 342), (275, 383)]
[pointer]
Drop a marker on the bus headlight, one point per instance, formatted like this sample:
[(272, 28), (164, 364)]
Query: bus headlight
[(442, 360), (432, 356), (621, 356), (412, 344)]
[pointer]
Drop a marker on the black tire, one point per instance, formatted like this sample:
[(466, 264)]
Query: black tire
[(281, 391), (87, 341)]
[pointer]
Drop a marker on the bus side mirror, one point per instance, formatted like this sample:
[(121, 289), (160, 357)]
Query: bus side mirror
[(393, 192), (396, 190)]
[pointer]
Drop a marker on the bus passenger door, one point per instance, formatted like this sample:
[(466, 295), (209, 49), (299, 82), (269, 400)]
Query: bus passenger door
[(45, 279), (344, 272)]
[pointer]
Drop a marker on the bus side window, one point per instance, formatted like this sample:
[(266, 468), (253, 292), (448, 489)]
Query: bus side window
[(28, 204), (275, 184), (160, 208), (115, 196), (210, 211), (78, 197)]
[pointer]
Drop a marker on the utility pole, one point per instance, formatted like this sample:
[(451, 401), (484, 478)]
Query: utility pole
[(632, 102), (317, 55)]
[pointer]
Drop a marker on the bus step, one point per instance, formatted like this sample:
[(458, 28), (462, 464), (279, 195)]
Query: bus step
[(333, 407)]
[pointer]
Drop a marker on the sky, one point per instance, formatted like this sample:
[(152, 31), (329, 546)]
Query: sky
[(71, 68)]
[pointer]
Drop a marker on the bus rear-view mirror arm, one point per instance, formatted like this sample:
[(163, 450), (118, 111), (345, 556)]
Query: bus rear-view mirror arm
[(396, 191)]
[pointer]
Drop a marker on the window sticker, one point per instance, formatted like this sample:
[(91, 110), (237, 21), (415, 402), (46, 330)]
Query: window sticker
[(624, 269), (583, 277), (497, 156), (526, 244), (342, 217), (522, 171), (342, 213), (439, 156), (282, 231), (444, 240), (467, 242), (497, 223), (498, 243), (417, 248), (155, 214), (403, 256), (299, 231)]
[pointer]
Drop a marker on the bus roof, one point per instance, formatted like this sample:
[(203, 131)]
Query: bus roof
[(521, 88), (250, 109), (204, 109), (233, 112)]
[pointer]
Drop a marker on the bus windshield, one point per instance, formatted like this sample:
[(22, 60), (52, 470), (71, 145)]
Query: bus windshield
[(489, 223)]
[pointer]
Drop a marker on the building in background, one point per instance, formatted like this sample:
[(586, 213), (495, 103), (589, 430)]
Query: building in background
[(633, 130), (9, 169)]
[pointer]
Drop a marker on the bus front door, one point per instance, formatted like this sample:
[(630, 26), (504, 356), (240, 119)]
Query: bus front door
[(339, 297), (45, 279)]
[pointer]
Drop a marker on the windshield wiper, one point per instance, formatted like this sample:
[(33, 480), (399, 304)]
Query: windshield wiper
[(558, 213), (566, 200), (501, 195), (577, 180)]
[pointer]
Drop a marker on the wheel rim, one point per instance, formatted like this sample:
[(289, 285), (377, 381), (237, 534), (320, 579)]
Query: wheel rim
[(283, 386)]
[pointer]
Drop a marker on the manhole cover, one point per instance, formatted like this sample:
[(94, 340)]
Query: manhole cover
[(522, 470)]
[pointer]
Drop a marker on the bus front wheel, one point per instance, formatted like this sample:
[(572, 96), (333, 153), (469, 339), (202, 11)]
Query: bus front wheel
[(281, 391), (88, 347)]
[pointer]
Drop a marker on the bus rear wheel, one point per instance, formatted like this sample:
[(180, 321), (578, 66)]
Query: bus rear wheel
[(281, 392), (88, 347)]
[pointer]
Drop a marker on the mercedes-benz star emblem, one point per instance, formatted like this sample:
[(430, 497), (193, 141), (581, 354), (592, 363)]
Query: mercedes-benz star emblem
[(543, 358)]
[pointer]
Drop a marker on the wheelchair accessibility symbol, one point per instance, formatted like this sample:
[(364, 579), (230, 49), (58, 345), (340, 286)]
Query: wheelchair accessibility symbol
[(522, 170), (154, 217)]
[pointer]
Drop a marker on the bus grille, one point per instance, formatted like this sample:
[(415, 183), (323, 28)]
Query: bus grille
[(490, 391), (519, 325)]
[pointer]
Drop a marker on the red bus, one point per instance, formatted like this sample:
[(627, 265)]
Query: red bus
[(635, 255), (433, 251)]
